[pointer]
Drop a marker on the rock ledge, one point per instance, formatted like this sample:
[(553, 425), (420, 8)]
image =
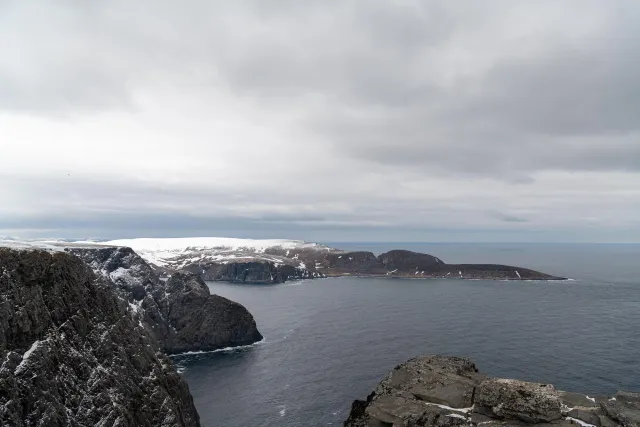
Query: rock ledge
[(449, 391)]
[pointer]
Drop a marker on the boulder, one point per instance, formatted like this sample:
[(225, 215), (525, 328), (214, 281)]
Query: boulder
[(513, 399), (202, 321)]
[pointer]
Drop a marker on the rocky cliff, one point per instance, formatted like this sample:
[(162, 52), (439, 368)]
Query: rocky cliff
[(180, 313), (74, 354), (250, 270), (449, 391)]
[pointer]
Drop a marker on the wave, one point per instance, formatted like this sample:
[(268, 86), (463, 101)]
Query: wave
[(220, 350)]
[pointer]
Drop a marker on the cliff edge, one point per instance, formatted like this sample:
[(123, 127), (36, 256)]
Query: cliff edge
[(73, 355), (180, 313)]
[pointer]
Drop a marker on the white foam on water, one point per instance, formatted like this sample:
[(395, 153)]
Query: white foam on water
[(220, 350)]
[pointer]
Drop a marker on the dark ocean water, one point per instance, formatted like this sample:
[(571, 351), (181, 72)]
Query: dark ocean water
[(330, 341)]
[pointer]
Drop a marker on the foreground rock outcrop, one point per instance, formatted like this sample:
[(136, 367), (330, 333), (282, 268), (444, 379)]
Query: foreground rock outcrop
[(180, 313), (72, 353), (449, 391)]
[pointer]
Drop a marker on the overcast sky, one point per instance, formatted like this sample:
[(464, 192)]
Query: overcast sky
[(321, 120)]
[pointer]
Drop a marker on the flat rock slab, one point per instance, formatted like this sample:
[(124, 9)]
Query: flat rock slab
[(401, 412), (624, 408), (434, 379), (573, 400)]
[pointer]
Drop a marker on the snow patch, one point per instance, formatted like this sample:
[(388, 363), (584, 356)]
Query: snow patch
[(449, 408), (184, 243), (26, 355), (457, 416), (582, 423), (134, 308)]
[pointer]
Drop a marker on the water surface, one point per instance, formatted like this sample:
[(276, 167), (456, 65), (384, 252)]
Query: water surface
[(330, 341)]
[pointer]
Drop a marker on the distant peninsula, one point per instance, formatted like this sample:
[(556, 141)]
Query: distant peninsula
[(278, 261)]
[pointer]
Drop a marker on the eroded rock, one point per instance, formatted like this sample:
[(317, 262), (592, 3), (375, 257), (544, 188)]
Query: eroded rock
[(180, 313), (449, 391), (71, 354), (520, 400), (624, 408)]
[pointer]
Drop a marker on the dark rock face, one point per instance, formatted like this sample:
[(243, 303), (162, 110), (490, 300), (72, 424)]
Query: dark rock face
[(255, 271), (180, 313), (205, 322), (449, 391), (249, 272), (72, 355)]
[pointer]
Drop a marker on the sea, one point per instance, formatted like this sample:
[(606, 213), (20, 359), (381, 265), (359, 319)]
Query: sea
[(330, 341)]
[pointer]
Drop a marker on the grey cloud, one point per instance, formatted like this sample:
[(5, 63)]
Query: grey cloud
[(566, 105), (568, 91), (405, 95)]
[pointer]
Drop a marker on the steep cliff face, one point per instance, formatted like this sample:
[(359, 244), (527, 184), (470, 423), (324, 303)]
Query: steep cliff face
[(448, 391), (257, 272), (72, 353), (202, 321), (180, 313)]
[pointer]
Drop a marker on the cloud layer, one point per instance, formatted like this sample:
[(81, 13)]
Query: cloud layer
[(324, 120)]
